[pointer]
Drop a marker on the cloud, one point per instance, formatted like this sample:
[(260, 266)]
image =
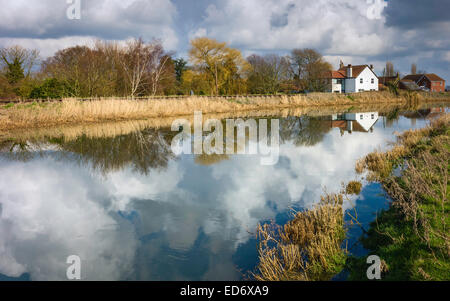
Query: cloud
[(404, 31), (414, 14), (105, 19)]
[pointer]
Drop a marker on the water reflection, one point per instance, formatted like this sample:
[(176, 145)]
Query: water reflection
[(132, 210)]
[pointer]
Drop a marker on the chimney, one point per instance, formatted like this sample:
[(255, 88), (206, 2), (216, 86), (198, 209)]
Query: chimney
[(371, 67), (349, 71), (341, 65)]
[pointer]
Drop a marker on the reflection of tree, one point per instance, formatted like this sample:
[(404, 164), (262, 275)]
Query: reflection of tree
[(17, 150), (145, 150), (304, 130)]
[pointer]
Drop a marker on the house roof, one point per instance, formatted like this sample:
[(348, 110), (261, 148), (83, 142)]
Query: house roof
[(413, 77), (409, 85), (334, 74), (356, 70), (416, 77), (434, 78), (342, 72)]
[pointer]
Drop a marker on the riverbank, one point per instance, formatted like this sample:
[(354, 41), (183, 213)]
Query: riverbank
[(114, 128), (412, 237), (72, 111)]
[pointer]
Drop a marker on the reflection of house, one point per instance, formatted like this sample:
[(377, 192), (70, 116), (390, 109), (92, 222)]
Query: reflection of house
[(425, 113), (430, 81), (350, 79), (354, 122)]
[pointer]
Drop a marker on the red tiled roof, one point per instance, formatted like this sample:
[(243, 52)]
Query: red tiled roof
[(356, 70), (433, 77), (334, 74), (342, 72)]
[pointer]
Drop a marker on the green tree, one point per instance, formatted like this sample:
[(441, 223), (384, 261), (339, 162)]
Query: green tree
[(14, 72), (51, 88), (180, 68)]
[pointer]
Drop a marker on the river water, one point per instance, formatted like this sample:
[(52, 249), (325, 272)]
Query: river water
[(131, 209)]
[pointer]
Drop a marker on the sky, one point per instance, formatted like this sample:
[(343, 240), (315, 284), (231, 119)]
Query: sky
[(355, 31)]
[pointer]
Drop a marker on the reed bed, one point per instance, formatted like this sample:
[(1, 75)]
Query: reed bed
[(381, 164), (104, 129), (73, 111), (308, 248)]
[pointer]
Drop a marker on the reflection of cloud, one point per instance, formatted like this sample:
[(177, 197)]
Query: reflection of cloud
[(302, 174), (52, 209)]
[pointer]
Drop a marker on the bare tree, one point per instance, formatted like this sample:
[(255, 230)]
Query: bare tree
[(389, 70), (157, 67), (267, 73), (308, 69), (143, 65)]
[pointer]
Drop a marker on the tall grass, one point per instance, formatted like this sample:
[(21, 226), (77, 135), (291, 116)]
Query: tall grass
[(308, 248), (72, 111)]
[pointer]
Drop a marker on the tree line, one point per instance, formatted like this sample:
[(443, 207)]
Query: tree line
[(138, 68)]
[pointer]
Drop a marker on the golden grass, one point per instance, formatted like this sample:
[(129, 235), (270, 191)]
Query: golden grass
[(308, 248), (72, 111), (380, 164), (353, 187)]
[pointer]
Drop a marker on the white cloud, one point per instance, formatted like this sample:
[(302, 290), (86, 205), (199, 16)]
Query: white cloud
[(337, 27)]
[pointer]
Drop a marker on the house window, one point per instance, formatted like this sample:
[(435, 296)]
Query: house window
[(362, 117), (361, 81), (373, 81), (373, 116)]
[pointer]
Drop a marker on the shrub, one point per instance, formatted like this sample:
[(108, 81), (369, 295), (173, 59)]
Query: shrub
[(52, 89)]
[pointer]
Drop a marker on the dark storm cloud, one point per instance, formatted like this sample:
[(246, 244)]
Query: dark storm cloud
[(412, 14), (47, 19), (281, 20)]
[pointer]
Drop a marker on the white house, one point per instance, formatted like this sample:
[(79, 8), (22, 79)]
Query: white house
[(351, 79), (355, 122)]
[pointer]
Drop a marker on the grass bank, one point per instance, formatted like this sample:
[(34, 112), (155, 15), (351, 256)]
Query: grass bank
[(72, 111), (413, 236)]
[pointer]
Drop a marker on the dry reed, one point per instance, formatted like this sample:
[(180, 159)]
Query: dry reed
[(72, 111), (308, 248)]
